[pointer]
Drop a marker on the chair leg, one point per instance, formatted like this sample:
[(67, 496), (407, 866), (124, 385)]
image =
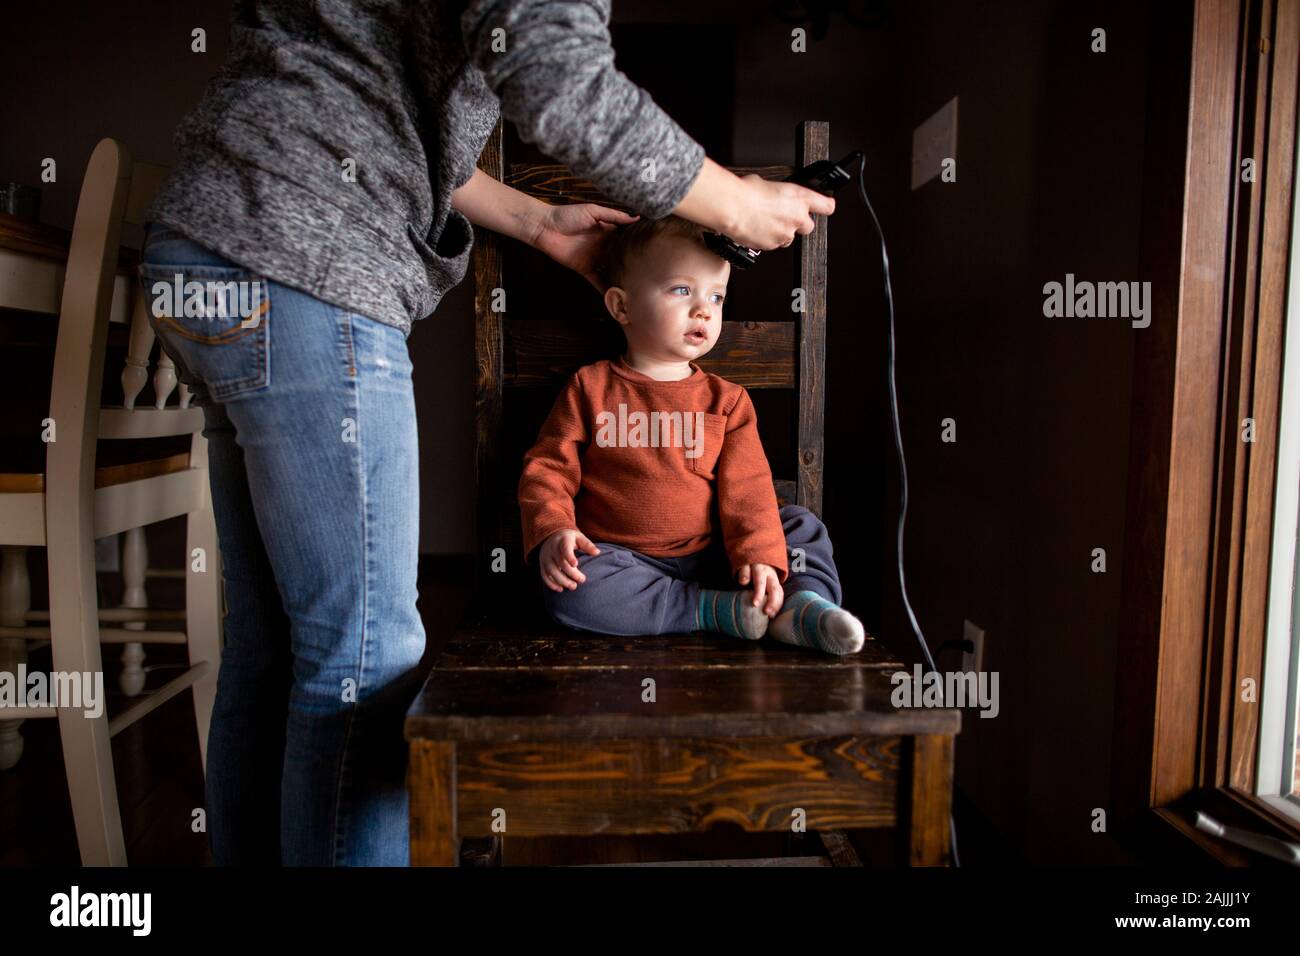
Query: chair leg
[(431, 781), (203, 604), (87, 746), (15, 601), (135, 561), (929, 800)]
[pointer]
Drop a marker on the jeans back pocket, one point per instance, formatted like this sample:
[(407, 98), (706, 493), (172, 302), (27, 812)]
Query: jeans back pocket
[(212, 317)]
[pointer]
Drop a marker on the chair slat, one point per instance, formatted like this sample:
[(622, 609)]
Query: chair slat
[(812, 143), (545, 352), (149, 422)]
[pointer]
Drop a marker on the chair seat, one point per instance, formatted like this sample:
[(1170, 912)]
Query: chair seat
[(493, 683), (22, 463)]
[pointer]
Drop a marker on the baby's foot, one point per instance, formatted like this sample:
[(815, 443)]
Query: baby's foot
[(728, 612), (809, 620)]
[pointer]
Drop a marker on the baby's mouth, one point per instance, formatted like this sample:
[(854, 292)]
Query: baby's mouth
[(698, 336)]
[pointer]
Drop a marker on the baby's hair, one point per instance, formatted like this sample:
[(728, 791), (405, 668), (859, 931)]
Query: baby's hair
[(627, 241)]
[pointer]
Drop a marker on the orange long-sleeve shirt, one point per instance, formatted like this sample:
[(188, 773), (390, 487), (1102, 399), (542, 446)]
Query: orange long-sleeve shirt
[(654, 466)]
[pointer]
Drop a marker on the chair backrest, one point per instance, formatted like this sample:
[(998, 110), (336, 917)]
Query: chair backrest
[(522, 361), (115, 190)]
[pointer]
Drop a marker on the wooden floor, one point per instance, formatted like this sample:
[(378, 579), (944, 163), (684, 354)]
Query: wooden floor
[(160, 780)]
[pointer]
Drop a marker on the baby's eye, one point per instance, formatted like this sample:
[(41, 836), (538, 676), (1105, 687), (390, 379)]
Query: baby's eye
[(717, 295)]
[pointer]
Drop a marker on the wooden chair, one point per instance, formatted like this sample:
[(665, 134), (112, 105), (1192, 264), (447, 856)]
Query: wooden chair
[(89, 489), (525, 728)]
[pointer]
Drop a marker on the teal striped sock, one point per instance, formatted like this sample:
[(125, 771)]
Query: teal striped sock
[(730, 612), (809, 620)]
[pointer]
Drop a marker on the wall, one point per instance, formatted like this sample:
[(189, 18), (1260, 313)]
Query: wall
[(1003, 522)]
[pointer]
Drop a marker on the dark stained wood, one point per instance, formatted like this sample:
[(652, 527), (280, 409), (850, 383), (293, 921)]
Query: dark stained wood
[(546, 703), (930, 773), (431, 781), (488, 338), (544, 352), (552, 646), (840, 848), (812, 143), (655, 785)]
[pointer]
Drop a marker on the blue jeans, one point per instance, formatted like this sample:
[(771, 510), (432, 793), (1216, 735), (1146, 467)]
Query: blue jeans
[(310, 420)]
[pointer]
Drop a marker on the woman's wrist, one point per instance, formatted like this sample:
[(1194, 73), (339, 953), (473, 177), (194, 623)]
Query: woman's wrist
[(486, 201), (713, 198)]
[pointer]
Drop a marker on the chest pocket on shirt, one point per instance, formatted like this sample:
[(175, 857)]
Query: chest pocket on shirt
[(715, 431)]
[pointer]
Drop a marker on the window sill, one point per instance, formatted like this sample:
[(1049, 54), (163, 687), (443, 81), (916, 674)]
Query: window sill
[(1174, 827)]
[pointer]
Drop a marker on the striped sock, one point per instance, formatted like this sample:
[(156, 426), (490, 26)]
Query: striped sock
[(730, 612), (809, 620)]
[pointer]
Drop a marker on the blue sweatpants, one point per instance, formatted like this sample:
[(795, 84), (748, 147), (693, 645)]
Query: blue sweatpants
[(630, 593)]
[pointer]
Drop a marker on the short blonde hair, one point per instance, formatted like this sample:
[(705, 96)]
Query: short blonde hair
[(628, 241)]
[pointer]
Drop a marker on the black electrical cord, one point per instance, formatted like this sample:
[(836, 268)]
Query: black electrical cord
[(902, 463)]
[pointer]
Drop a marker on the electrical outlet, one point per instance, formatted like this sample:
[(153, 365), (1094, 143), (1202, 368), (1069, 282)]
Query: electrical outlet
[(932, 142), (973, 660)]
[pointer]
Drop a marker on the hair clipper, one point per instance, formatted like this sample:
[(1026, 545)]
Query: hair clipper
[(822, 176)]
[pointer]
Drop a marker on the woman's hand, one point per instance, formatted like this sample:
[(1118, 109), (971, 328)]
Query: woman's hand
[(574, 236), (767, 584), (771, 213)]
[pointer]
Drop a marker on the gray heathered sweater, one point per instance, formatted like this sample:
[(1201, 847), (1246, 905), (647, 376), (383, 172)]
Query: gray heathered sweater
[(409, 90)]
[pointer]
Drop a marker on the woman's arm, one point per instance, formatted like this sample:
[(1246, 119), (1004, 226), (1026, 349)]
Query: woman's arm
[(551, 65), (573, 235), (713, 198), (486, 201)]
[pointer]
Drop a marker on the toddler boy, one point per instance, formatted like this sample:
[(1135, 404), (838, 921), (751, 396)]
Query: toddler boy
[(652, 468)]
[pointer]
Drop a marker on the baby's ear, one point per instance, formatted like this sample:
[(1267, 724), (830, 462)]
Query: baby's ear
[(616, 303)]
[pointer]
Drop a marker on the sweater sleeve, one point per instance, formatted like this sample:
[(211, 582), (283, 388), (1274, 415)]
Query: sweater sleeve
[(552, 67), (751, 520), (552, 471)]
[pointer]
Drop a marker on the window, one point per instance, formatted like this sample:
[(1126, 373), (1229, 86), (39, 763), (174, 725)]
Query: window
[(1279, 736)]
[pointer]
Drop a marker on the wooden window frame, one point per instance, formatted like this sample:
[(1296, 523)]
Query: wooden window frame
[(1200, 500)]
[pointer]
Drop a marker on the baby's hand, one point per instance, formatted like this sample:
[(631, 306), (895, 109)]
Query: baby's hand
[(559, 562), (766, 584)]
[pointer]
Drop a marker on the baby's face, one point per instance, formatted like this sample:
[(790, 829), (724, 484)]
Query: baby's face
[(670, 305)]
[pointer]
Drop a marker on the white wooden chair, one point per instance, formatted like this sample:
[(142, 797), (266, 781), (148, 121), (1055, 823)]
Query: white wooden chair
[(70, 505)]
